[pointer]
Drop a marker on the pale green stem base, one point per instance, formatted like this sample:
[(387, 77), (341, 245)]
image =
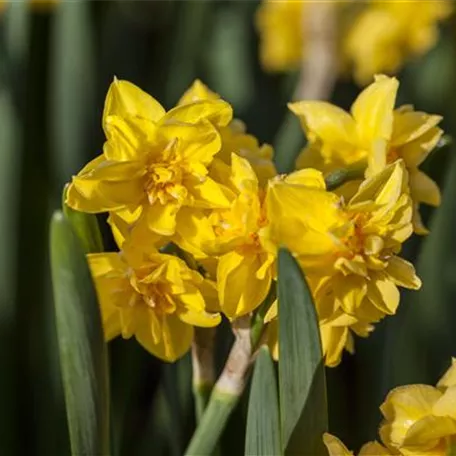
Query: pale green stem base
[(212, 424), (201, 394)]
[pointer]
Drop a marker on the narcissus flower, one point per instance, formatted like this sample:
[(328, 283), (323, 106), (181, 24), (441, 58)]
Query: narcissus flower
[(153, 163), (152, 296), (421, 419), (348, 251), (279, 24), (386, 34), (374, 133), (245, 268)]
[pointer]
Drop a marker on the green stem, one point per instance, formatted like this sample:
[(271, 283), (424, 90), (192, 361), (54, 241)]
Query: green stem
[(343, 175), (226, 392), (212, 423), (203, 368), (202, 394)]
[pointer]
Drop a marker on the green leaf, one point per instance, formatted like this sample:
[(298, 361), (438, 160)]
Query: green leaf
[(302, 385), (263, 425), (83, 354), (85, 227)]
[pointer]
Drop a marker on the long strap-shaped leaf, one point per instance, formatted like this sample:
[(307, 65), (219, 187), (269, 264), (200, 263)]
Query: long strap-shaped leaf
[(83, 355), (302, 387), (263, 426)]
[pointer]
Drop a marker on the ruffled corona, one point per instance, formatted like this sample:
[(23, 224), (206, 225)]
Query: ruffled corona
[(151, 296)]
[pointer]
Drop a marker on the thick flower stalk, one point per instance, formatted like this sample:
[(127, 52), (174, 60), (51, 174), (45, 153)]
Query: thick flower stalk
[(348, 251), (154, 163), (155, 297), (373, 134), (418, 420)]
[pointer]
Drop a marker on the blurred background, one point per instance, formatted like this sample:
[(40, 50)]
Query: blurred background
[(57, 60)]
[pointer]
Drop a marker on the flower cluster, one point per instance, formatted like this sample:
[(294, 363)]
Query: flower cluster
[(374, 36), (418, 420), (193, 183)]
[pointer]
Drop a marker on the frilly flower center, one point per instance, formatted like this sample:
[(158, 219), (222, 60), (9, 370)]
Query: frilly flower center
[(164, 183)]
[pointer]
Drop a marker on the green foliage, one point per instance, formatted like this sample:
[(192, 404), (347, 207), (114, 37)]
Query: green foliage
[(263, 424), (83, 353), (303, 408)]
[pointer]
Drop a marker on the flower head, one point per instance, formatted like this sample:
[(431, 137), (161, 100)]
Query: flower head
[(421, 419), (280, 29), (153, 163), (348, 251), (386, 34), (373, 133), (151, 296)]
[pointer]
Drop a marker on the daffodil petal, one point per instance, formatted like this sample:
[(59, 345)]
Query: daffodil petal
[(161, 218), (334, 446), (201, 319), (205, 193), (424, 189), (240, 291), (176, 337), (410, 125), (373, 109), (125, 99), (326, 122), (218, 112), (403, 273)]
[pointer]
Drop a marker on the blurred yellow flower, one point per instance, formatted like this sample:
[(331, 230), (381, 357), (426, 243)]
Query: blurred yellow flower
[(373, 133), (421, 419), (388, 33), (151, 296), (153, 163), (348, 251), (245, 268), (279, 23), (372, 36)]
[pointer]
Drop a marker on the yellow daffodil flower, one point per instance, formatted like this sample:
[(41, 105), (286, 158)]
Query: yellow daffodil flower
[(245, 268), (373, 133), (386, 34), (154, 163), (421, 419), (152, 296), (279, 23), (235, 139), (348, 251), (336, 448)]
